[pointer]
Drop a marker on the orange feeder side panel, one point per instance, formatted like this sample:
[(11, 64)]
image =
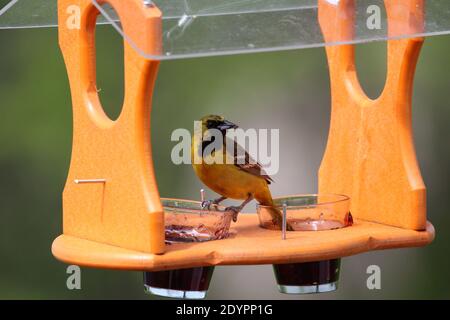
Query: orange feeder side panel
[(370, 154), (124, 210)]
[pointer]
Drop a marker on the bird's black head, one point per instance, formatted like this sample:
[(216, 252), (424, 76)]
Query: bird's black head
[(217, 122)]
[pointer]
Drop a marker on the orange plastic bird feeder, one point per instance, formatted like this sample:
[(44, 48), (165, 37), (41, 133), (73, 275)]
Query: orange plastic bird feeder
[(113, 216)]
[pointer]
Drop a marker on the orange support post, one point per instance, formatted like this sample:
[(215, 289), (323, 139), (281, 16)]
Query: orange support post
[(370, 154), (111, 195)]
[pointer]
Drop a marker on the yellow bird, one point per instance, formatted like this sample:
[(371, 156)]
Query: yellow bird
[(240, 180)]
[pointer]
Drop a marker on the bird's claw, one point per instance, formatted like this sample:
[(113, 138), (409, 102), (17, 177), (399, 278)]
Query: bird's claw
[(206, 204), (235, 211)]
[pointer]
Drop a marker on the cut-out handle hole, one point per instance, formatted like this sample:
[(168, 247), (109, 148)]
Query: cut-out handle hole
[(371, 64), (110, 67), (371, 58)]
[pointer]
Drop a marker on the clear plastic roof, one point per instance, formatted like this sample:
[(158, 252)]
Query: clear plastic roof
[(196, 28), (18, 14)]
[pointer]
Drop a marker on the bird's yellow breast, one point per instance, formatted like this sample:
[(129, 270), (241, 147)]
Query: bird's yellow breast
[(227, 179)]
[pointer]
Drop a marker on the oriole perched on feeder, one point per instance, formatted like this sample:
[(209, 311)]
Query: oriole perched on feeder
[(241, 178)]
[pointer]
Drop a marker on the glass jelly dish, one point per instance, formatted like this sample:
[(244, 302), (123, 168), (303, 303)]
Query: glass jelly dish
[(307, 213), (311, 212), (186, 221)]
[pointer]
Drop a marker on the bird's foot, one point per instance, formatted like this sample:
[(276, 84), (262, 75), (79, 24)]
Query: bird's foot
[(207, 204), (235, 211)]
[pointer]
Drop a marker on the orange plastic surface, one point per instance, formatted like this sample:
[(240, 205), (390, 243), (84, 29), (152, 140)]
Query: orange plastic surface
[(125, 210), (249, 245), (370, 154)]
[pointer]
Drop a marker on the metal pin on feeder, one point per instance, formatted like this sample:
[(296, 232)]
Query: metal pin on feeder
[(283, 236), (203, 202), (81, 181), (202, 195)]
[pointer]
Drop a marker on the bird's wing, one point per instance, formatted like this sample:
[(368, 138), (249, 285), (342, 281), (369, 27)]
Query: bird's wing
[(245, 162)]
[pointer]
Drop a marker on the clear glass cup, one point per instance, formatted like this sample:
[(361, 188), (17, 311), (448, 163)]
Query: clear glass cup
[(314, 212), (190, 283), (310, 212), (308, 277), (186, 221)]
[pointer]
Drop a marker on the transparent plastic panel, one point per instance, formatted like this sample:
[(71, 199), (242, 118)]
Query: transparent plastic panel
[(17, 14), (196, 28), (27, 13)]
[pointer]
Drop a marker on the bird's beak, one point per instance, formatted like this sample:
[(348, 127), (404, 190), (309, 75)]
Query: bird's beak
[(225, 125)]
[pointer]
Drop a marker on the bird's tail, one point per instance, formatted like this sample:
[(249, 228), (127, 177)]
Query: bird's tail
[(265, 199)]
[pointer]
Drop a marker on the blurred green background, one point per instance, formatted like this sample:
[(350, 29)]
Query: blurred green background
[(287, 90)]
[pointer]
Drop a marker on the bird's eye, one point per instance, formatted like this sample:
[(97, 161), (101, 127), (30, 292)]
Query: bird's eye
[(211, 124)]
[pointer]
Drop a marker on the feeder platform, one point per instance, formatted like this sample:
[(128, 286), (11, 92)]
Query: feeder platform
[(249, 244)]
